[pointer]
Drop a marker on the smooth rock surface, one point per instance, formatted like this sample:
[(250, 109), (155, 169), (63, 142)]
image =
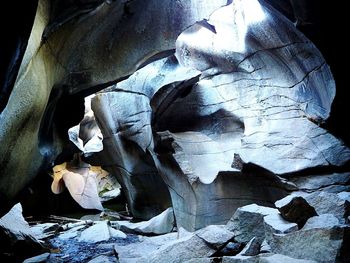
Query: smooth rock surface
[(56, 63), (100, 231), (248, 222), (160, 224)]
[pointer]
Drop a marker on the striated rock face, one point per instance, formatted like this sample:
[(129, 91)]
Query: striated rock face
[(240, 110), (73, 53), (233, 118)]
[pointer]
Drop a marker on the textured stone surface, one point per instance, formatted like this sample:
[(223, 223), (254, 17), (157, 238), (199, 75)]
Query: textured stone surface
[(331, 203), (318, 241), (334, 183), (147, 245), (215, 235), (248, 222), (160, 224), (296, 210)]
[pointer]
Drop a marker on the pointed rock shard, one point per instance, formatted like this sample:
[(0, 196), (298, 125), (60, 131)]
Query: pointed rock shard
[(297, 210)]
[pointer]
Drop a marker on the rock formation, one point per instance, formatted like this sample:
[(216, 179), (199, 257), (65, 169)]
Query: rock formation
[(239, 109), (214, 108)]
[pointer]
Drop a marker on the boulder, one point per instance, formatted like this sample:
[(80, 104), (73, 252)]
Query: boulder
[(160, 224), (200, 244), (181, 250), (16, 238), (248, 222), (320, 240), (295, 209)]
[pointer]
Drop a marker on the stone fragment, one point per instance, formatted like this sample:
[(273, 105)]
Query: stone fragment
[(296, 210), (251, 249)]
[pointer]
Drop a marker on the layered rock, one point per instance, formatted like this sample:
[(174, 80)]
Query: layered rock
[(219, 141), (118, 36)]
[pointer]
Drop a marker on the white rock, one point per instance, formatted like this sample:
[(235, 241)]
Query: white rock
[(14, 223), (96, 233), (274, 223), (116, 233), (160, 224)]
